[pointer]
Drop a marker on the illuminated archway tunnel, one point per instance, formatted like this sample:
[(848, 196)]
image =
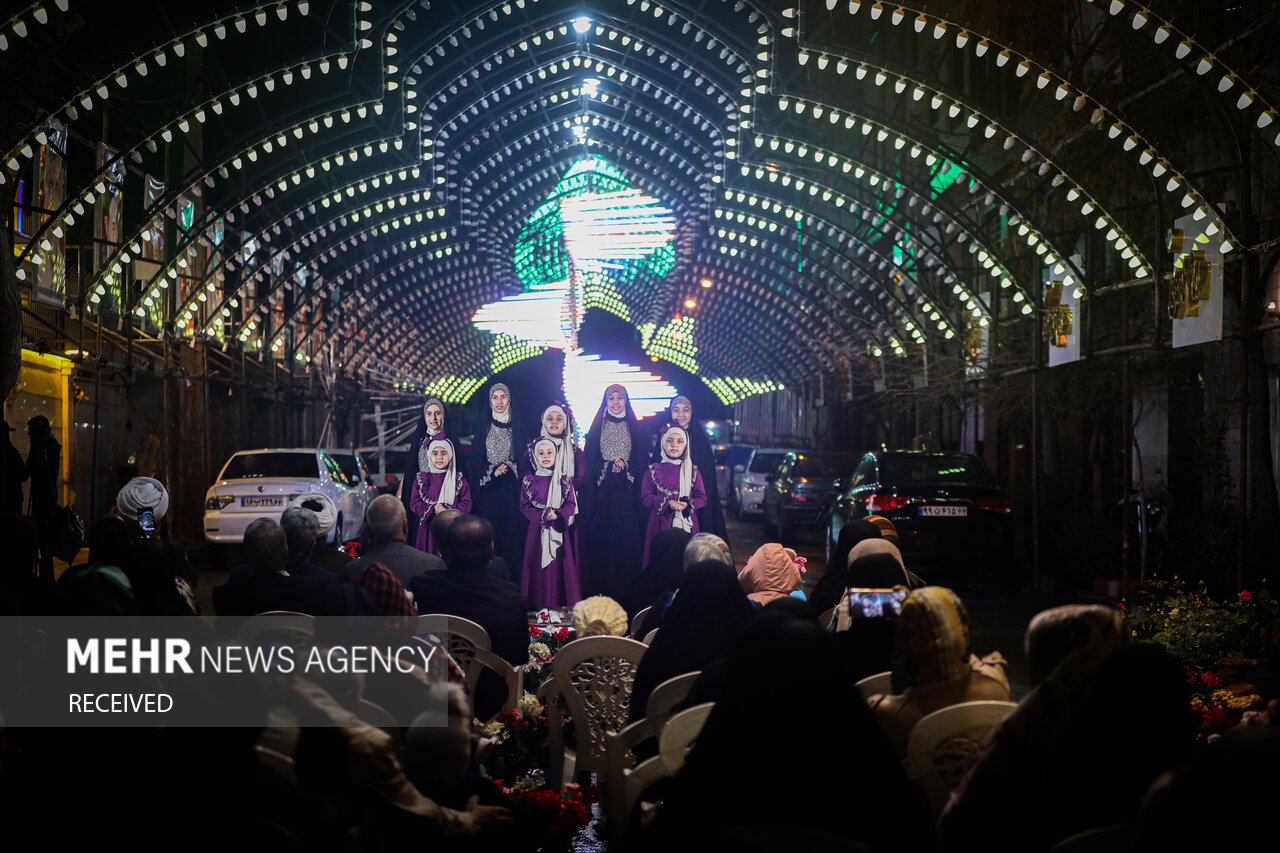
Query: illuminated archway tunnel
[(352, 181)]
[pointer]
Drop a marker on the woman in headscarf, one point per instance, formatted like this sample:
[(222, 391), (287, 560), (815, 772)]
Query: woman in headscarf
[(430, 428), (770, 573), (933, 665), (496, 469), (547, 499), (661, 575), (672, 489), (704, 623), (835, 579), (599, 616), (616, 458), (439, 487), (867, 643), (746, 767), (711, 515)]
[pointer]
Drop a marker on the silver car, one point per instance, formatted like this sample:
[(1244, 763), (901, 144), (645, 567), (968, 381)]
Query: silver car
[(261, 483), (749, 479)]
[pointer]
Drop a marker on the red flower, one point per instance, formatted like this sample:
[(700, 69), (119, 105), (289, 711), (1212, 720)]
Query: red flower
[(1208, 679), (1199, 604), (1245, 595), (534, 631), (1121, 605), (592, 794), (509, 718)]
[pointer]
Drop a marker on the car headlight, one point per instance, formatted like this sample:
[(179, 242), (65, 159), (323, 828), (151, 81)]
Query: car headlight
[(218, 502)]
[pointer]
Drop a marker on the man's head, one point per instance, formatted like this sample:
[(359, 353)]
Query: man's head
[(440, 529), (386, 519), (470, 541), (38, 427), (265, 546), (301, 527)]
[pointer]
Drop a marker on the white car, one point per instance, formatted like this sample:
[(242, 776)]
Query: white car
[(356, 471), (749, 479), (261, 483)]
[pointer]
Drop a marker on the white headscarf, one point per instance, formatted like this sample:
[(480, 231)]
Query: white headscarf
[(551, 539), (504, 417), (680, 520), (564, 448), (327, 514), (448, 490), (142, 493)]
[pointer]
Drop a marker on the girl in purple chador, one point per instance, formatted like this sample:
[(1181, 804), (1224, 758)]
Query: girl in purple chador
[(550, 576), (439, 486), (672, 488)]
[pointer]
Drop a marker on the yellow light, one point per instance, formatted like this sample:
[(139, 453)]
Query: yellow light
[(706, 282), (690, 303)]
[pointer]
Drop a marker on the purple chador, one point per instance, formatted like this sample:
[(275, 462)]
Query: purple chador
[(550, 572), (439, 483), (674, 478)]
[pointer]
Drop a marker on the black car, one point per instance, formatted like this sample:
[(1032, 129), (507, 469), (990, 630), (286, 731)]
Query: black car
[(944, 504), (799, 493)]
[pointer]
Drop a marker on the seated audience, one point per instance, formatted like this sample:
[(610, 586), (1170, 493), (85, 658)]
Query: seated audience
[(867, 644), (933, 665), (707, 546), (388, 528), (110, 542), (301, 527), (439, 531), (467, 589), (1020, 762), (599, 616), (703, 624), (341, 756), (327, 556), (269, 586), (746, 766), (771, 573), (834, 581)]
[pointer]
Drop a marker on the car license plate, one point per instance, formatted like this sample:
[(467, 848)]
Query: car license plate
[(260, 502), (952, 511)]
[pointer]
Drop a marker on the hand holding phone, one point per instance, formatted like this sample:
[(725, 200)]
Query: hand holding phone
[(870, 603)]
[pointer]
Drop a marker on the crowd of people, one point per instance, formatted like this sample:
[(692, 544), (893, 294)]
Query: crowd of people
[(792, 747)]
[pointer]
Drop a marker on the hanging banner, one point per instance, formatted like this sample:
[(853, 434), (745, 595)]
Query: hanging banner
[(1062, 320), (106, 221), (50, 285), (1195, 293)]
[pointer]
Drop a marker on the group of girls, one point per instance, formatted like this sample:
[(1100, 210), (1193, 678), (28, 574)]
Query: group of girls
[(564, 519)]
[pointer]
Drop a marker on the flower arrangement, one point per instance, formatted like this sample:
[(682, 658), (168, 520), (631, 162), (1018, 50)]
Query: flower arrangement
[(1219, 643), (1202, 632), (557, 815), (521, 740)]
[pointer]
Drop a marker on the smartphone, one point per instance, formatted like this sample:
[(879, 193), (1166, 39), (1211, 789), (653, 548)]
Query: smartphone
[(875, 603), (147, 521)]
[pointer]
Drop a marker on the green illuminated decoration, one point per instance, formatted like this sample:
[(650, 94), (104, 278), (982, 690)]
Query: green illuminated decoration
[(453, 389), (730, 390), (507, 350), (674, 342)]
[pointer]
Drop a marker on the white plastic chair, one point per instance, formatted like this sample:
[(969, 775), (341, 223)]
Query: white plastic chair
[(461, 637), (881, 682), (648, 638), (677, 736), (943, 744), (625, 780), (827, 619), (380, 718), (638, 621), (594, 677)]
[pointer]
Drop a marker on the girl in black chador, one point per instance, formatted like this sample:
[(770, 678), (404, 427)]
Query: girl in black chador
[(616, 459)]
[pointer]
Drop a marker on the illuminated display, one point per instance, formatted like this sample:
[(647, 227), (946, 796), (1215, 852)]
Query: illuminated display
[(731, 390), (586, 377), (674, 342)]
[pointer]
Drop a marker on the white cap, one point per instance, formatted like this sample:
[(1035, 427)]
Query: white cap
[(321, 505)]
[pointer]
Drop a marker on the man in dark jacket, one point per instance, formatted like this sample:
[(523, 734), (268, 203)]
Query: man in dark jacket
[(467, 589), (270, 586), (388, 526)]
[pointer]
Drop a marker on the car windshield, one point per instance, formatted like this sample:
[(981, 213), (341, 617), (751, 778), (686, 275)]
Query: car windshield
[(765, 463), (948, 468), (348, 465), (738, 455), (253, 466), (814, 465)]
